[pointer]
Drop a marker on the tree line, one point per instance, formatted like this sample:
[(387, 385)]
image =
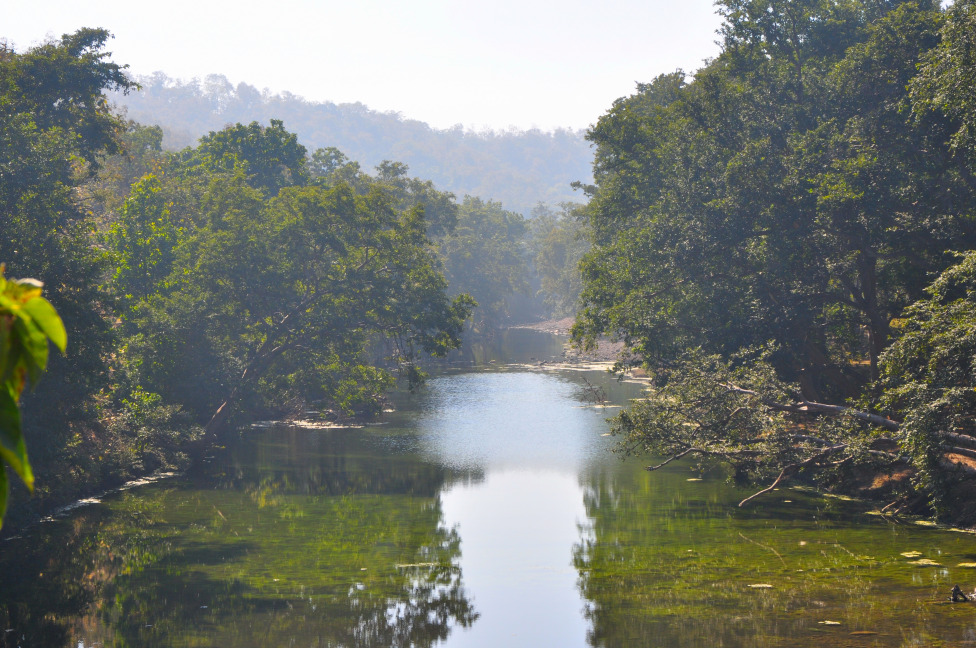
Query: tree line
[(241, 276), (786, 238)]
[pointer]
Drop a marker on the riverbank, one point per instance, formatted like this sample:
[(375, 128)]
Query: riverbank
[(889, 491), (604, 351)]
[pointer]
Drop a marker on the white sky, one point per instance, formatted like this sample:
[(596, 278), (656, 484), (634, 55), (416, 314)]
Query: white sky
[(494, 63)]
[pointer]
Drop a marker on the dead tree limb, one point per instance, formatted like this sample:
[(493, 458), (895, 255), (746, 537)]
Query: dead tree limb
[(812, 407)]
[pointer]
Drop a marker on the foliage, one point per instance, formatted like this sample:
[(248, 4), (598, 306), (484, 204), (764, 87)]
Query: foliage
[(54, 126), (271, 157), (55, 130), (928, 378), (27, 322), (275, 296), (947, 82), (237, 272), (793, 195), (557, 242)]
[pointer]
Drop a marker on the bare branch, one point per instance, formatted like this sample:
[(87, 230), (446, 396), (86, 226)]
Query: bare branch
[(794, 468), (782, 475), (667, 461)]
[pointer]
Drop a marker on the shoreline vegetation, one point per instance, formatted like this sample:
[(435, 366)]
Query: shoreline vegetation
[(782, 243), (786, 239), (241, 278)]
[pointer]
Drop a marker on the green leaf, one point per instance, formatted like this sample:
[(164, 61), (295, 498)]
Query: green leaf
[(3, 493), (12, 447), (34, 344), (47, 319)]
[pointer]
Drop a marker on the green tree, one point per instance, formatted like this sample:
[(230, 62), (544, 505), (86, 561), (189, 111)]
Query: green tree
[(928, 382), (143, 238), (947, 82), (784, 199), (270, 155), (557, 242), (272, 300), (55, 128)]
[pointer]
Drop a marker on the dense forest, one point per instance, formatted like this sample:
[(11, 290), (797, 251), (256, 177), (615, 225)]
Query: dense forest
[(516, 168), (192, 290), (786, 239)]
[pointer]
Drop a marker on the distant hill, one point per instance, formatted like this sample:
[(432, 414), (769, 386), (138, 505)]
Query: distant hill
[(517, 168)]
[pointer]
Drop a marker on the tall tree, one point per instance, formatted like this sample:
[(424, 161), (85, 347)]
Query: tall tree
[(249, 296), (483, 258), (785, 199)]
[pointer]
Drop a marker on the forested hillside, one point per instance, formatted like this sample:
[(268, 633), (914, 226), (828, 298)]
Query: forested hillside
[(516, 168), (787, 239)]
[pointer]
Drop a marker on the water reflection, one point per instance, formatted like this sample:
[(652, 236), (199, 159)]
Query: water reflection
[(485, 512), (665, 558), (517, 528), (504, 420), (292, 541)]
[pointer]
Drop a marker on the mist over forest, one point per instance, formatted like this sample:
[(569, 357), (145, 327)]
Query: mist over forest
[(517, 168)]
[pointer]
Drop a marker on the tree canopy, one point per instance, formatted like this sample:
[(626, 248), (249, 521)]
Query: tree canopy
[(778, 214), (237, 277)]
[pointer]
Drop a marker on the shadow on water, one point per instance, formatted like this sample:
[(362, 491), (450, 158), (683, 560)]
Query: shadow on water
[(508, 346), (663, 557)]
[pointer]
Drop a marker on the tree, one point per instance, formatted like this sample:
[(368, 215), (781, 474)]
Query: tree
[(483, 258), (278, 299), (760, 230), (270, 155), (55, 128), (947, 82), (557, 242), (928, 383)]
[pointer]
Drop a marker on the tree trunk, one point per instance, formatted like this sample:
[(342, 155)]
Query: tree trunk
[(878, 327), (256, 367)]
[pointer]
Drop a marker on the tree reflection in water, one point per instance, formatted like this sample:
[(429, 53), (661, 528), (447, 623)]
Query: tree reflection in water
[(663, 558), (290, 541)]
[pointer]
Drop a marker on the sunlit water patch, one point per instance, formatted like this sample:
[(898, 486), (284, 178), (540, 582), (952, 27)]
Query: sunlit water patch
[(490, 421)]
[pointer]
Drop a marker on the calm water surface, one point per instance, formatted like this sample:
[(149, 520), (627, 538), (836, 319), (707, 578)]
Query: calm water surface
[(486, 511)]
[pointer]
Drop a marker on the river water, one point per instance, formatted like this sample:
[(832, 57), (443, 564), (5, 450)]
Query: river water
[(486, 510)]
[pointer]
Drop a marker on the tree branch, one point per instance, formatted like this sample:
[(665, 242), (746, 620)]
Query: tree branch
[(667, 461), (812, 407), (794, 468)]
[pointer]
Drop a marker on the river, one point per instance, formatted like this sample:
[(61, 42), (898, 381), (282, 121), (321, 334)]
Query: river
[(486, 510)]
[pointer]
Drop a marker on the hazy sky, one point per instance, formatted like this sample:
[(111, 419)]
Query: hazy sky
[(493, 63)]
